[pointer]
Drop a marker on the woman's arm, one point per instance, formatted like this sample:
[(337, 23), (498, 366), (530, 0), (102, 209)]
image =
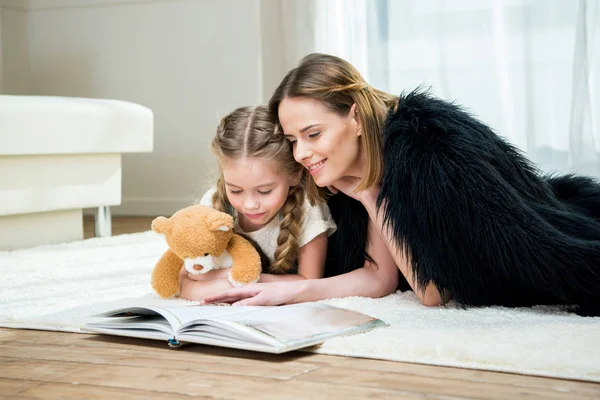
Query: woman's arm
[(370, 281), (429, 295), (376, 279)]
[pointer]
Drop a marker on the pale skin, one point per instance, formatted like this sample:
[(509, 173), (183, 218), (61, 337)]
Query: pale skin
[(257, 192), (328, 145)]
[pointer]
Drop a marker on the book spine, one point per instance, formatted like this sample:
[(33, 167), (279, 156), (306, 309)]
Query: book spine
[(173, 342)]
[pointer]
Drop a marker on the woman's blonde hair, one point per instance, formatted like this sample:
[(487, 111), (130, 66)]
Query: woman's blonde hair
[(249, 132), (339, 85)]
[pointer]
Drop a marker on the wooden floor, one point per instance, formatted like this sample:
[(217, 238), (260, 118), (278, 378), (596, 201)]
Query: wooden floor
[(44, 365)]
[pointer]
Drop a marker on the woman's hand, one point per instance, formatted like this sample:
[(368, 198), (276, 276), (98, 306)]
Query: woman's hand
[(261, 294)]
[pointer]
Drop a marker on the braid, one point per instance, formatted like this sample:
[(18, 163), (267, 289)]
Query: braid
[(287, 242), (219, 199)]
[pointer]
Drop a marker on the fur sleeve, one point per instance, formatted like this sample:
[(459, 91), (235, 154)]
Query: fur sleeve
[(475, 216)]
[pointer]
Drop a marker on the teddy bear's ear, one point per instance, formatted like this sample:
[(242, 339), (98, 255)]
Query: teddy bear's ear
[(161, 225), (221, 223)]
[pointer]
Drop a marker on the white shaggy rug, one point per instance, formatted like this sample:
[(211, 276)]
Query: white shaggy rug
[(56, 287)]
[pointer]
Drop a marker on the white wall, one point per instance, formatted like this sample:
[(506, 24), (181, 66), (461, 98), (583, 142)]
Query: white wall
[(1, 74), (188, 60), (14, 58)]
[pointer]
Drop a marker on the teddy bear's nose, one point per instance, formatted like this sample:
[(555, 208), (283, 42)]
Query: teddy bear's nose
[(205, 254)]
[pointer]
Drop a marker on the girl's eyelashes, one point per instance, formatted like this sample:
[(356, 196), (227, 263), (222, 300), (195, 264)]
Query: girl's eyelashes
[(264, 193), (314, 135)]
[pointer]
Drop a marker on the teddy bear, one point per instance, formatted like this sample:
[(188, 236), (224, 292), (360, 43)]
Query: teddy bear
[(202, 239)]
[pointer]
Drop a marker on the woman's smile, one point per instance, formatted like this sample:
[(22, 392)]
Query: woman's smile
[(316, 167)]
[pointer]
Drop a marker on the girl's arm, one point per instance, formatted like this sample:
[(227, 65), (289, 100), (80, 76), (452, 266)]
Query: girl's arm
[(373, 280), (197, 287), (311, 262)]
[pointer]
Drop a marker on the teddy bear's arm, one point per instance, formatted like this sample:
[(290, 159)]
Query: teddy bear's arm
[(165, 276), (246, 262)]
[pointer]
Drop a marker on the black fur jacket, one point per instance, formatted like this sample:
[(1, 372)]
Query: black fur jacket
[(475, 216)]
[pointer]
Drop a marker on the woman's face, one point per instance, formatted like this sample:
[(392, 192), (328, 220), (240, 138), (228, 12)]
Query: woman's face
[(324, 142)]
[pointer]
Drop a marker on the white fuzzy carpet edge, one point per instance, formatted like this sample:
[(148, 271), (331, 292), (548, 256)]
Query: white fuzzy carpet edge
[(58, 287)]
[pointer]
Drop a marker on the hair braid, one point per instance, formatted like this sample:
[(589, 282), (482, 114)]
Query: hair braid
[(287, 242), (219, 199), (250, 132)]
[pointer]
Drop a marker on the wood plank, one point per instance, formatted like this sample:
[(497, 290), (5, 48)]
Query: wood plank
[(436, 385), (469, 375), (120, 225), (10, 388), (129, 345), (163, 358), (28, 389), (281, 366), (28, 337), (7, 335), (236, 359), (187, 382)]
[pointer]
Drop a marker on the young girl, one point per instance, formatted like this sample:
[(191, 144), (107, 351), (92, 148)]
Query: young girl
[(263, 188)]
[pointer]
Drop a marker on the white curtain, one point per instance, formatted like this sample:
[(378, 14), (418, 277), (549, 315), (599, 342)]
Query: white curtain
[(528, 68)]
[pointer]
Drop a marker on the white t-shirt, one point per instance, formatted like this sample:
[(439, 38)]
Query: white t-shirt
[(315, 220)]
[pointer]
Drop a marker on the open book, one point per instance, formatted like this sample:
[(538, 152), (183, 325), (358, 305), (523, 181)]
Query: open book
[(267, 329)]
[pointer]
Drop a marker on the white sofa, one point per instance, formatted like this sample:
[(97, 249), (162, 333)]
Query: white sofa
[(59, 155)]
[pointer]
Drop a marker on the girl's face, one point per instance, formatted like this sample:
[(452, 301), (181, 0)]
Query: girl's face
[(324, 142), (255, 190)]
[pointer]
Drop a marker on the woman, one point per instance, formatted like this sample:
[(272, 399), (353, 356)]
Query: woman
[(427, 188)]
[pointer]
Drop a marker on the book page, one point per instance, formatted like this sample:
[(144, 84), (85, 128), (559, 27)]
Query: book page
[(176, 316), (303, 322)]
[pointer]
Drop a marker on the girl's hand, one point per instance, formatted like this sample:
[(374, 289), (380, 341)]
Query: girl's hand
[(347, 185), (260, 294), (197, 287)]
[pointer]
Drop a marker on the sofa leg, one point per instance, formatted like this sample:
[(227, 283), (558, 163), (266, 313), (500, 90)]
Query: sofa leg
[(103, 222)]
